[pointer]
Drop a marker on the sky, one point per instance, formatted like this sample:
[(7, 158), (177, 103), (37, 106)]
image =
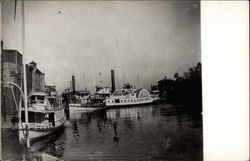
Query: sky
[(143, 41)]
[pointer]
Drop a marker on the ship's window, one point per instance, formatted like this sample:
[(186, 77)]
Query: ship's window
[(36, 99), (121, 101), (117, 101), (52, 101)]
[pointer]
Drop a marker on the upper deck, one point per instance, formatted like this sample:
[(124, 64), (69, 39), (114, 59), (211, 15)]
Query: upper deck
[(130, 93), (41, 102)]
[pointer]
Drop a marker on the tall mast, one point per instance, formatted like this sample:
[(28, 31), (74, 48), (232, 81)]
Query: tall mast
[(84, 82), (138, 80), (100, 79), (24, 77)]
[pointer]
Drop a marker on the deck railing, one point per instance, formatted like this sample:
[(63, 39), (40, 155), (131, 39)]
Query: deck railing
[(40, 125)]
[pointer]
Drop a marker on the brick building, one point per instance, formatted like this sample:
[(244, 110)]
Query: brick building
[(35, 78), (11, 71)]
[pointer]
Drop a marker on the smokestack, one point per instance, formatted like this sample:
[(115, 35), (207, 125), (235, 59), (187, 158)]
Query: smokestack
[(73, 83), (113, 81)]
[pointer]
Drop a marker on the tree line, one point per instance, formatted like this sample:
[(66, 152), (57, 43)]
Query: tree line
[(183, 90)]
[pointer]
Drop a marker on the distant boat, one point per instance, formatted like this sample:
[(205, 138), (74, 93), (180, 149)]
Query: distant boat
[(91, 101), (45, 115), (125, 97), (78, 98)]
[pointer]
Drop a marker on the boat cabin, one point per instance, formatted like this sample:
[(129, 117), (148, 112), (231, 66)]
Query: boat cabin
[(43, 111)]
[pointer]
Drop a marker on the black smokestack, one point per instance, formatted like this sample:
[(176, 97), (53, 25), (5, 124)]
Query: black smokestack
[(73, 83), (113, 81)]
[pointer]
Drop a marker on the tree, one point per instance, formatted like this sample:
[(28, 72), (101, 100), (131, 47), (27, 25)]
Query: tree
[(176, 76), (186, 75)]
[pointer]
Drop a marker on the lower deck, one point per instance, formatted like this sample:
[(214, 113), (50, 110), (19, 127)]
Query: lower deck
[(127, 101)]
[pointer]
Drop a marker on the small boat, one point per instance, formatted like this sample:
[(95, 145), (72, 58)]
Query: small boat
[(125, 97), (45, 114)]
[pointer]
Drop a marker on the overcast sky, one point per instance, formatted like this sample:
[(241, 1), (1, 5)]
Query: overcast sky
[(151, 39)]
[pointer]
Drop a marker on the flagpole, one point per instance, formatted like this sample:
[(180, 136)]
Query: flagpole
[(25, 78)]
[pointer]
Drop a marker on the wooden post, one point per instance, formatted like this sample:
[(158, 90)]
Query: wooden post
[(1, 91), (25, 78)]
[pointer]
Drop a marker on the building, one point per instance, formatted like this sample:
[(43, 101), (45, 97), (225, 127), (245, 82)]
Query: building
[(51, 90), (11, 71), (35, 78)]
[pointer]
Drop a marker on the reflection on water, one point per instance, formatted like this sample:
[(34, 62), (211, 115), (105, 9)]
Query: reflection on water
[(142, 132)]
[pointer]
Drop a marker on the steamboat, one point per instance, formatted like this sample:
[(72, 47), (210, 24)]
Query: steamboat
[(126, 97), (45, 115)]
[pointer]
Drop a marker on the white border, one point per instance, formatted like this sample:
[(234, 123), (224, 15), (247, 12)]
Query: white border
[(225, 74)]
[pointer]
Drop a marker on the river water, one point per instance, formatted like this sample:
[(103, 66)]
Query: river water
[(147, 132), (150, 132)]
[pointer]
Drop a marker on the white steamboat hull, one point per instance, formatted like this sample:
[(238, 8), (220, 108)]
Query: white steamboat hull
[(38, 133), (87, 109), (83, 109), (74, 104), (35, 134)]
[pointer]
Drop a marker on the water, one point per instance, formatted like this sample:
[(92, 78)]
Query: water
[(148, 132)]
